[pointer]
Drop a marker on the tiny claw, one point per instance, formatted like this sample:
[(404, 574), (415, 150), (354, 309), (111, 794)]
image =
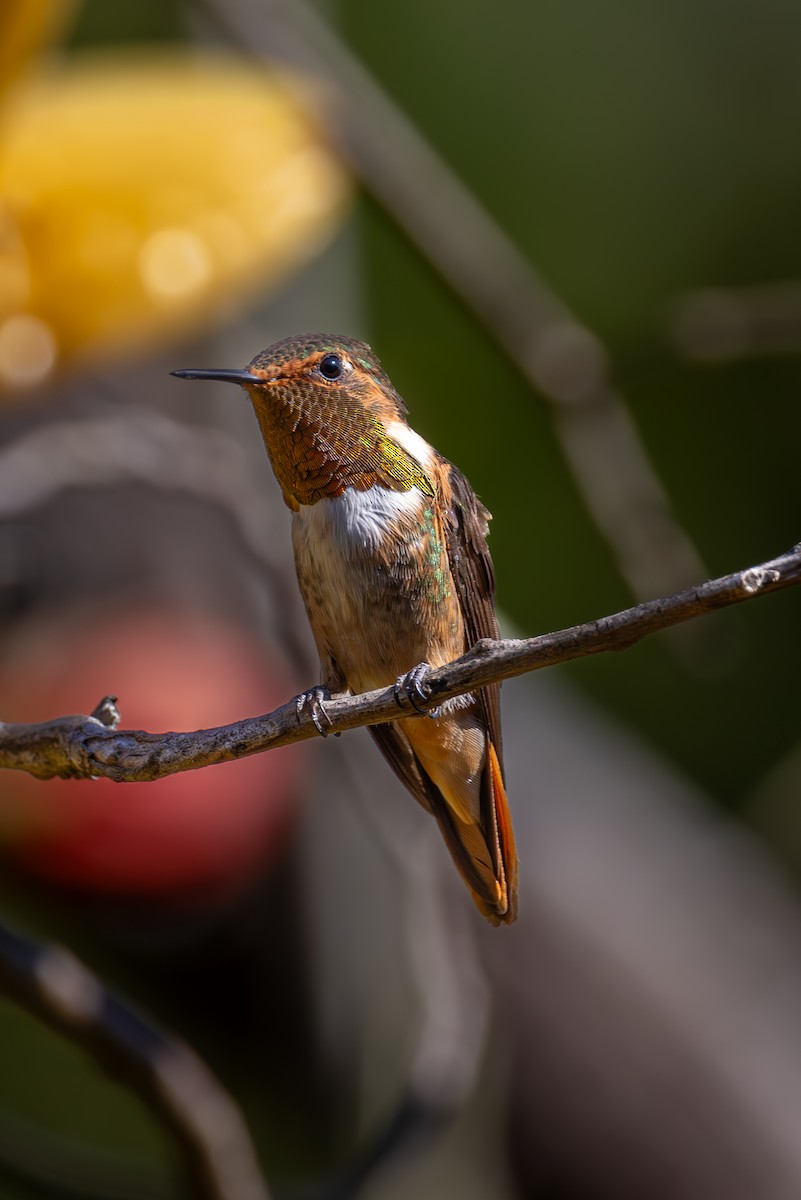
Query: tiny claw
[(411, 688), (314, 700)]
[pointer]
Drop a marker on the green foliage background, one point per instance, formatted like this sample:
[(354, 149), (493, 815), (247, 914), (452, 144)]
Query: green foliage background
[(635, 151)]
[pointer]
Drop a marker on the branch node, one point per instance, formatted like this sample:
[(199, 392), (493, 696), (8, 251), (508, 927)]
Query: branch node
[(756, 578), (106, 712), (483, 648), (67, 986)]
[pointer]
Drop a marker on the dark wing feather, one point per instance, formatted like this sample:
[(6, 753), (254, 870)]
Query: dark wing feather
[(466, 528)]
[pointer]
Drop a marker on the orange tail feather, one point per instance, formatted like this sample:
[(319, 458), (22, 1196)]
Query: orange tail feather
[(484, 855), (501, 821)]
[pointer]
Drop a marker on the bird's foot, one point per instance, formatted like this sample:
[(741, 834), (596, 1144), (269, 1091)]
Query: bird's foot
[(314, 700), (412, 688)]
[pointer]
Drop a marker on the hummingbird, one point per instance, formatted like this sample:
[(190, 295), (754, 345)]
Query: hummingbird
[(390, 545)]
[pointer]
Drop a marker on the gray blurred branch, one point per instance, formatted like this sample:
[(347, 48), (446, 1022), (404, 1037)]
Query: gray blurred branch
[(725, 324), (174, 1084), (558, 355), (83, 747)]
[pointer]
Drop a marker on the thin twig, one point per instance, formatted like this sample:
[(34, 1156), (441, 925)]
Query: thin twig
[(218, 1158), (80, 746), (554, 351)]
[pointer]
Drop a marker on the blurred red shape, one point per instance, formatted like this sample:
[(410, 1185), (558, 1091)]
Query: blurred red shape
[(208, 829)]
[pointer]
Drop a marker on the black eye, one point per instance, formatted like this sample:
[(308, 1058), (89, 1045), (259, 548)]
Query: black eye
[(331, 367)]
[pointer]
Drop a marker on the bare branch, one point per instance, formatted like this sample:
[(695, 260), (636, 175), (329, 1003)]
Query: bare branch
[(85, 747), (162, 1071)]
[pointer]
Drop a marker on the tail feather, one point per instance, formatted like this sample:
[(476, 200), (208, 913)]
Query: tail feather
[(501, 822), (484, 853)]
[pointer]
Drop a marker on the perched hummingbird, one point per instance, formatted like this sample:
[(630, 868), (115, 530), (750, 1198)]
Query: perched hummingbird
[(392, 561)]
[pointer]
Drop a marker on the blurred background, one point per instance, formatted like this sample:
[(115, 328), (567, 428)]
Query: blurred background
[(570, 233)]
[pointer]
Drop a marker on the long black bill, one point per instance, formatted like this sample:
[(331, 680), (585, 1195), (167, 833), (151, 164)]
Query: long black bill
[(227, 376)]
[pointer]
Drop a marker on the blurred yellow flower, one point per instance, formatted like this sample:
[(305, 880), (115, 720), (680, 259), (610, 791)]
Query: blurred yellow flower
[(138, 196)]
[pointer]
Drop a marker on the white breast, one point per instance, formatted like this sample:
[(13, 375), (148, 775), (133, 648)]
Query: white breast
[(358, 520)]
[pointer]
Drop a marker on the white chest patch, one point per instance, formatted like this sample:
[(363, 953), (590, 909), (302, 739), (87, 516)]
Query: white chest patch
[(358, 520)]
